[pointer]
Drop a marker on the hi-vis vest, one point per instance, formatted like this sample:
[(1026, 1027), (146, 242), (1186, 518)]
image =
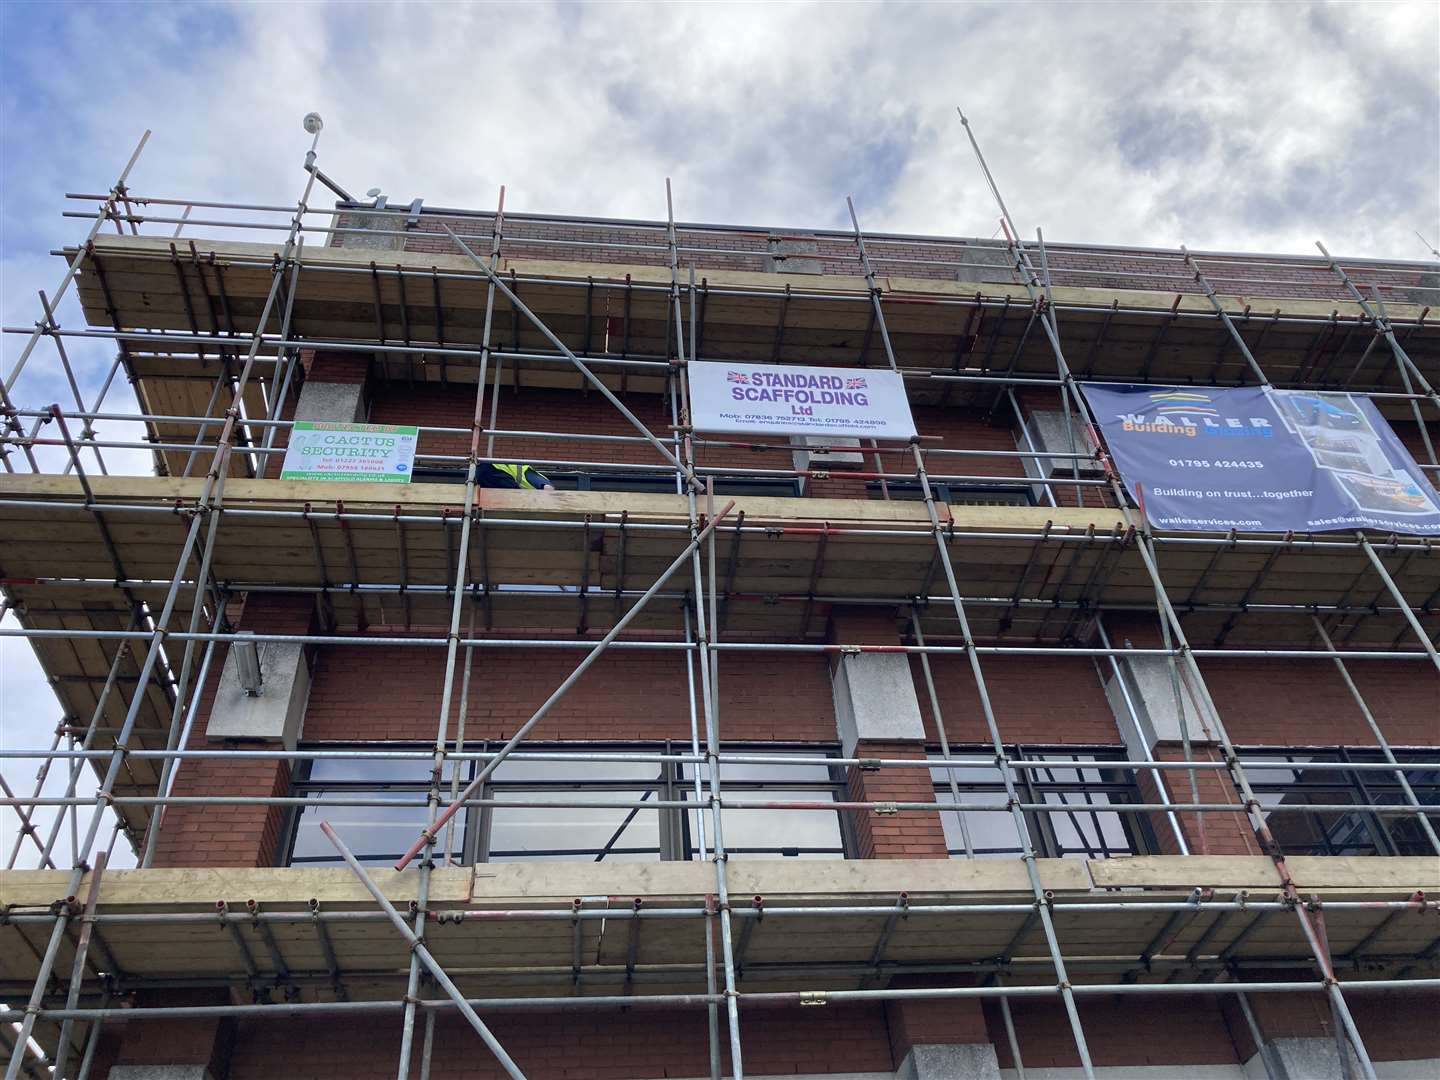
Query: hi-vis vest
[(521, 474)]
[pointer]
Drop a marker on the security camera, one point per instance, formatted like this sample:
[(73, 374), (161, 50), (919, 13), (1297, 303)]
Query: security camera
[(313, 123)]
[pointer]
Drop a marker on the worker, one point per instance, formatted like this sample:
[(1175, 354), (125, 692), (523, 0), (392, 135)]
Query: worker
[(512, 475)]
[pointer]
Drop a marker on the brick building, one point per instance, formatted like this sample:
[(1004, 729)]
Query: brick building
[(882, 760)]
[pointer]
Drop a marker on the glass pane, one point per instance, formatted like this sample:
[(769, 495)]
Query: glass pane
[(992, 832), (747, 773), (388, 771), (526, 833), (1085, 832), (1321, 833), (1406, 833), (968, 774), (806, 834), (376, 834), (574, 773)]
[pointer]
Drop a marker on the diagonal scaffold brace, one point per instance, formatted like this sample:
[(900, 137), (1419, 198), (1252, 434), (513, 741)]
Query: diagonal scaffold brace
[(496, 280), (428, 835), (428, 961)]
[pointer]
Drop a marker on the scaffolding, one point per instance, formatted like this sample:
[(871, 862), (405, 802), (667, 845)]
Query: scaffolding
[(210, 334)]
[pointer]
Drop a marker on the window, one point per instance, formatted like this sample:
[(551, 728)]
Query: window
[(958, 494), (1324, 832), (528, 832), (805, 834), (376, 834), (657, 483), (664, 484), (1085, 829), (593, 834)]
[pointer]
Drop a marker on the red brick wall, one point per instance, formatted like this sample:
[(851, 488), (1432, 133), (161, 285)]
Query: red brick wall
[(1128, 1030), (747, 248), (1305, 702), (574, 1045), (1038, 699), (604, 1045), (908, 834), (931, 1021), (233, 835), (1206, 832), (627, 694)]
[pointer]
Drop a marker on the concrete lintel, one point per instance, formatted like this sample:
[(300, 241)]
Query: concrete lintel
[(954, 1061), (875, 700), (1145, 693), (160, 1072), (277, 712), (823, 459), (331, 402), (1301, 1058)]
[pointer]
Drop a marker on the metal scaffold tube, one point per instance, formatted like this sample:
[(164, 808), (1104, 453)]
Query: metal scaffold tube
[(1022, 829), (698, 611), (211, 494)]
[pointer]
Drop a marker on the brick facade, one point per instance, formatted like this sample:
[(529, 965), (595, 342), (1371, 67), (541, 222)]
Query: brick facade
[(641, 696)]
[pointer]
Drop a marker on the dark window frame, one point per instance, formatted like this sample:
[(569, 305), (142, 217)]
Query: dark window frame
[(1039, 785), (1382, 835), (1006, 494), (660, 483), (476, 825)]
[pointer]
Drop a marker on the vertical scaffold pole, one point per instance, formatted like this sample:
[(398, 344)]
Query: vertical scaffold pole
[(704, 627), (1002, 760), (940, 731), (452, 644), (1420, 815), (1071, 396), (680, 420)]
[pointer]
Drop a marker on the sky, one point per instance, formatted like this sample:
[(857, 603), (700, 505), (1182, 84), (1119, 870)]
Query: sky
[(1236, 126)]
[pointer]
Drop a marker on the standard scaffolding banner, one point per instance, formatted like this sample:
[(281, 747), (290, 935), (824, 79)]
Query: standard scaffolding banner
[(782, 399), (378, 453), (1260, 459)]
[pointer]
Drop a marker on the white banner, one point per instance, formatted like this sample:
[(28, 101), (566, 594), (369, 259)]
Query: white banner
[(379, 453), (783, 399)]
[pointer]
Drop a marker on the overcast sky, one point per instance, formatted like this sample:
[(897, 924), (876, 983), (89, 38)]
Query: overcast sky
[(1236, 126)]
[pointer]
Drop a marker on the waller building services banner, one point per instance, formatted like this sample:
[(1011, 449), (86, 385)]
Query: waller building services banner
[(785, 399), (1258, 459)]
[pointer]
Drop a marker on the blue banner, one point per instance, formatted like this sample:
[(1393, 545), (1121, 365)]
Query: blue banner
[(1258, 459)]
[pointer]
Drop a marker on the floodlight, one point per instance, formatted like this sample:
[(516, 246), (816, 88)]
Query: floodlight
[(247, 662)]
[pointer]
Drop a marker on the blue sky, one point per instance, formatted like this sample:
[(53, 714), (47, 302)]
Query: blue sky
[(1239, 126)]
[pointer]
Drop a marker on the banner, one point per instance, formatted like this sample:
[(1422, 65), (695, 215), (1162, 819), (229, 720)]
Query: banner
[(378, 453), (782, 399), (1251, 458)]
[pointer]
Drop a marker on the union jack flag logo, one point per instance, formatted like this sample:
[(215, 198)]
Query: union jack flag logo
[(737, 376), (854, 384)]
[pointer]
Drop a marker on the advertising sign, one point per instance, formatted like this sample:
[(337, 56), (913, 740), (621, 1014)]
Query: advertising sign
[(1211, 460), (378, 453), (782, 399)]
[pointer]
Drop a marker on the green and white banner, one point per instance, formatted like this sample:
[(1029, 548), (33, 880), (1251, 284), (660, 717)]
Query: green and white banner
[(377, 453)]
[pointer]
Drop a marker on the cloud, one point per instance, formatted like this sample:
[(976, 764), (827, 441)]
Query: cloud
[(1245, 127)]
